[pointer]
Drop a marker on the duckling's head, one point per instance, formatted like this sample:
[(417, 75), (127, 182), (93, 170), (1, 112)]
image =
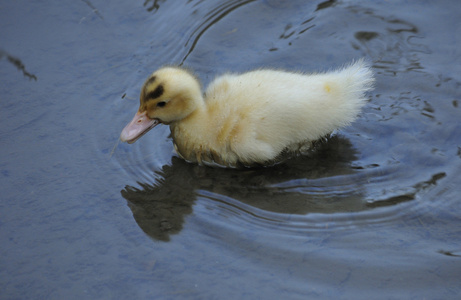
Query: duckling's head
[(170, 94)]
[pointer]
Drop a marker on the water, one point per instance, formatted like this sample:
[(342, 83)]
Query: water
[(373, 214)]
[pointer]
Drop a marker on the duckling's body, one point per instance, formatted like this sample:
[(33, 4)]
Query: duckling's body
[(253, 117)]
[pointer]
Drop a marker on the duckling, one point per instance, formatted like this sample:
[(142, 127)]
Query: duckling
[(250, 118)]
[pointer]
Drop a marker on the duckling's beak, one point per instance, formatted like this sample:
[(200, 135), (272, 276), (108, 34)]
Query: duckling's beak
[(140, 124)]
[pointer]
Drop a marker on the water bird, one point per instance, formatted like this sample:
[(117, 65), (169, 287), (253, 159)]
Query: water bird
[(252, 118)]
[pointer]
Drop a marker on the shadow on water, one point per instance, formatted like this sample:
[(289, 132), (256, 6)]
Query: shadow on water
[(325, 182), (160, 208), (18, 64)]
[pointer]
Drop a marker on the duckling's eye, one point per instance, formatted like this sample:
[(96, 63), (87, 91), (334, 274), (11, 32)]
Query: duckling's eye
[(161, 104)]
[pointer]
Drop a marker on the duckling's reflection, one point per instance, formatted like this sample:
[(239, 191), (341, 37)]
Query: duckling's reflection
[(160, 208)]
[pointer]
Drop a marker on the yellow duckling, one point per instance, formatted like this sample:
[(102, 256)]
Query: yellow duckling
[(250, 118)]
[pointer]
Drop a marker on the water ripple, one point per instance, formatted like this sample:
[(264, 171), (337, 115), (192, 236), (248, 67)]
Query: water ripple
[(302, 195), (247, 216), (213, 16), (333, 189)]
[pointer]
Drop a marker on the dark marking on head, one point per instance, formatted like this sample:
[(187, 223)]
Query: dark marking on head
[(155, 93), (150, 80)]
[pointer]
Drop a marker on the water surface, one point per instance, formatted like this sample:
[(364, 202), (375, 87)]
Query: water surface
[(373, 213)]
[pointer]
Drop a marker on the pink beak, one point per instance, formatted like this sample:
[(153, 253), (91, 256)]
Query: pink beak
[(140, 124)]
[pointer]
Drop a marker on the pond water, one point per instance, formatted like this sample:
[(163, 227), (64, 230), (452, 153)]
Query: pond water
[(374, 213)]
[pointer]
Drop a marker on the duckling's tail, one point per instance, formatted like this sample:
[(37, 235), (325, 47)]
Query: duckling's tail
[(361, 76), (354, 81)]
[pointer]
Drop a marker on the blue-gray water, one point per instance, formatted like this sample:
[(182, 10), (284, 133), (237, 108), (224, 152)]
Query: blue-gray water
[(374, 214)]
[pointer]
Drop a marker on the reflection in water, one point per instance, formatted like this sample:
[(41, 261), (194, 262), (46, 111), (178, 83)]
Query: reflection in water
[(18, 64), (395, 45), (211, 18), (411, 195), (152, 5), (93, 9), (326, 4), (299, 186)]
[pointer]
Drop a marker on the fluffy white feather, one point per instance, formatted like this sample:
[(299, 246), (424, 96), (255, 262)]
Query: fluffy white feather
[(250, 118)]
